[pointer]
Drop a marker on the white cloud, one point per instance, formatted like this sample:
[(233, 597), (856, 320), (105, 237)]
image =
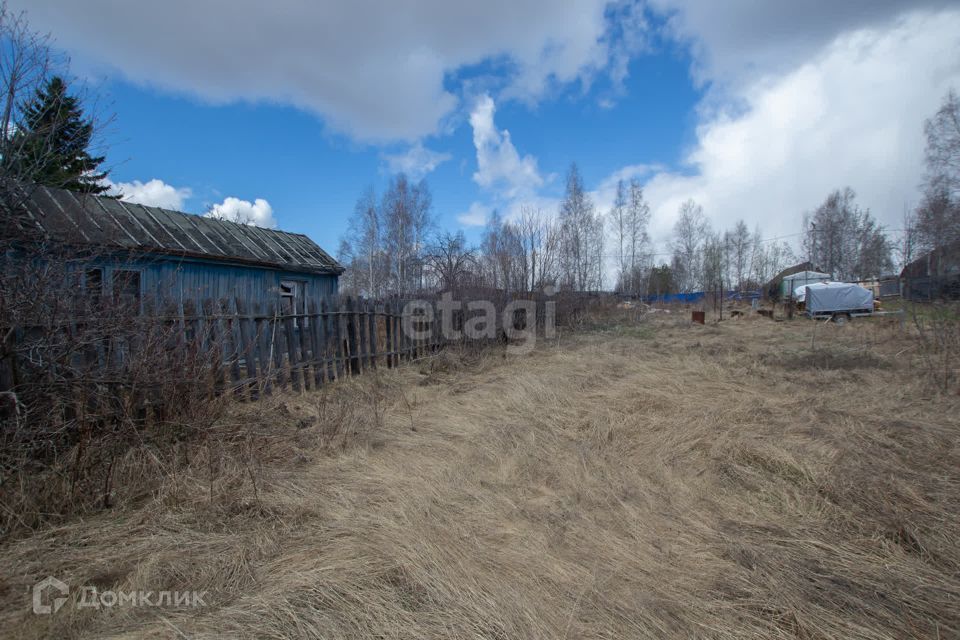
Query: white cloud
[(416, 162), (155, 193), (499, 166), (851, 114), (257, 213), (511, 181), (375, 70), (476, 216), (738, 40)]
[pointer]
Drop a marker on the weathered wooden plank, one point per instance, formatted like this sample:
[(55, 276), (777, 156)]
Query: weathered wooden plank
[(214, 344), (388, 332), (363, 335), (292, 337), (329, 341), (338, 321), (352, 343), (236, 347), (249, 346), (264, 344), (308, 353), (277, 345), (317, 354), (374, 335)]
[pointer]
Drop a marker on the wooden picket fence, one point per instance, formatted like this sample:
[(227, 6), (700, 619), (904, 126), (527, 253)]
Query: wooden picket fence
[(230, 346), (263, 350)]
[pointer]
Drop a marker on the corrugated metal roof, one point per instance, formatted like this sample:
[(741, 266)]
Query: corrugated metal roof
[(86, 219)]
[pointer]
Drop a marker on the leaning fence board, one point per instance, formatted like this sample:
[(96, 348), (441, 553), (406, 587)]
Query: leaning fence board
[(351, 333), (276, 347), (290, 335)]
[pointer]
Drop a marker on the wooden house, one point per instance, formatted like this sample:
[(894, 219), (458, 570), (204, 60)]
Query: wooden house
[(168, 257)]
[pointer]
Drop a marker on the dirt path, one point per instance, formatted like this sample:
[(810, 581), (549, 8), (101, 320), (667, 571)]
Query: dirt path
[(653, 481)]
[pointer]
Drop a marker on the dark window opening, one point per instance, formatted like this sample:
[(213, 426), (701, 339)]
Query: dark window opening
[(293, 301), (126, 287), (93, 284)]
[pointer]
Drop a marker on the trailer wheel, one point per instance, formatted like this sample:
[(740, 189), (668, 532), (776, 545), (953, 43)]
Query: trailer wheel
[(841, 318)]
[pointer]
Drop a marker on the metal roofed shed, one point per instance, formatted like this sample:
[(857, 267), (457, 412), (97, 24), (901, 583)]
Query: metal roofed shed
[(831, 298), (790, 283), (173, 256)]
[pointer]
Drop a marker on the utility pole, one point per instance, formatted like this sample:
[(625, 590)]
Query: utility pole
[(813, 244)]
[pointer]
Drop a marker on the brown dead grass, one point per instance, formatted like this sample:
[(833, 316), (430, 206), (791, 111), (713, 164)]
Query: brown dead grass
[(749, 479)]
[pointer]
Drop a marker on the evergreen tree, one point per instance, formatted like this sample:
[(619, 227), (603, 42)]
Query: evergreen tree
[(51, 147)]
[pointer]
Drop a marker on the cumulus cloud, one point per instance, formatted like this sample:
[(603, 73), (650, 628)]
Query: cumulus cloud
[(258, 213), (375, 70), (850, 115), (510, 180), (416, 162), (155, 193), (476, 216), (499, 165), (738, 40)]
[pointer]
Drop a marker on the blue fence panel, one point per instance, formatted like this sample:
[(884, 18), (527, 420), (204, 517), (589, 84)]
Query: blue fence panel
[(698, 296)]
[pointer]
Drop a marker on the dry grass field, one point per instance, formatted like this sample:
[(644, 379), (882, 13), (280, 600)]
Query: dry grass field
[(747, 479)]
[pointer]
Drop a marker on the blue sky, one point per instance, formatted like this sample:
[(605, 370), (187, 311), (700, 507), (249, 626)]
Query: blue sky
[(312, 175), (284, 112)]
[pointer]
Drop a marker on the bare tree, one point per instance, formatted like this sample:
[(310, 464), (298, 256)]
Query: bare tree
[(690, 233), (638, 219), (581, 253), (619, 225), (739, 246), (451, 262), (539, 239), (362, 247), (935, 224), (406, 220), (26, 64), (845, 240), (943, 147)]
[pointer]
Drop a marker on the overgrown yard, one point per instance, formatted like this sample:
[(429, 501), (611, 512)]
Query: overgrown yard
[(742, 480)]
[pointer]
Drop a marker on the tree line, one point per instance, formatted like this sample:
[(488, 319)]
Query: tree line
[(393, 244)]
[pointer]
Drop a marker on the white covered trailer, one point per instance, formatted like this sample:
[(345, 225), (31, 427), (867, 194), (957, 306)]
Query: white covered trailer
[(832, 298), (790, 283)]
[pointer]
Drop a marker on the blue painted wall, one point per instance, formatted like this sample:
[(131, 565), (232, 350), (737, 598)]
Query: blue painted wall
[(180, 280)]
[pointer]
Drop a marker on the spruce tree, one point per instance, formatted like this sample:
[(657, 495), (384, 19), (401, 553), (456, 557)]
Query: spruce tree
[(51, 147)]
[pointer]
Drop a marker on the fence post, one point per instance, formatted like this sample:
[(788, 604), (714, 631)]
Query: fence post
[(249, 346), (236, 347), (316, 339), (363, 335), (276, 344), (289, 328), (329, 340), (388, 332), (339, 332), (372, 327), (351, 351)]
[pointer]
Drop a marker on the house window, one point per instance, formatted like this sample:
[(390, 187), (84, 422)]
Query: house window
[(126, 287), (93, 284), (292, 300)]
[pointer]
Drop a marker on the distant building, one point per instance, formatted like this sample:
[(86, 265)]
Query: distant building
[(781, 286), (933, 275), (172, 258)]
